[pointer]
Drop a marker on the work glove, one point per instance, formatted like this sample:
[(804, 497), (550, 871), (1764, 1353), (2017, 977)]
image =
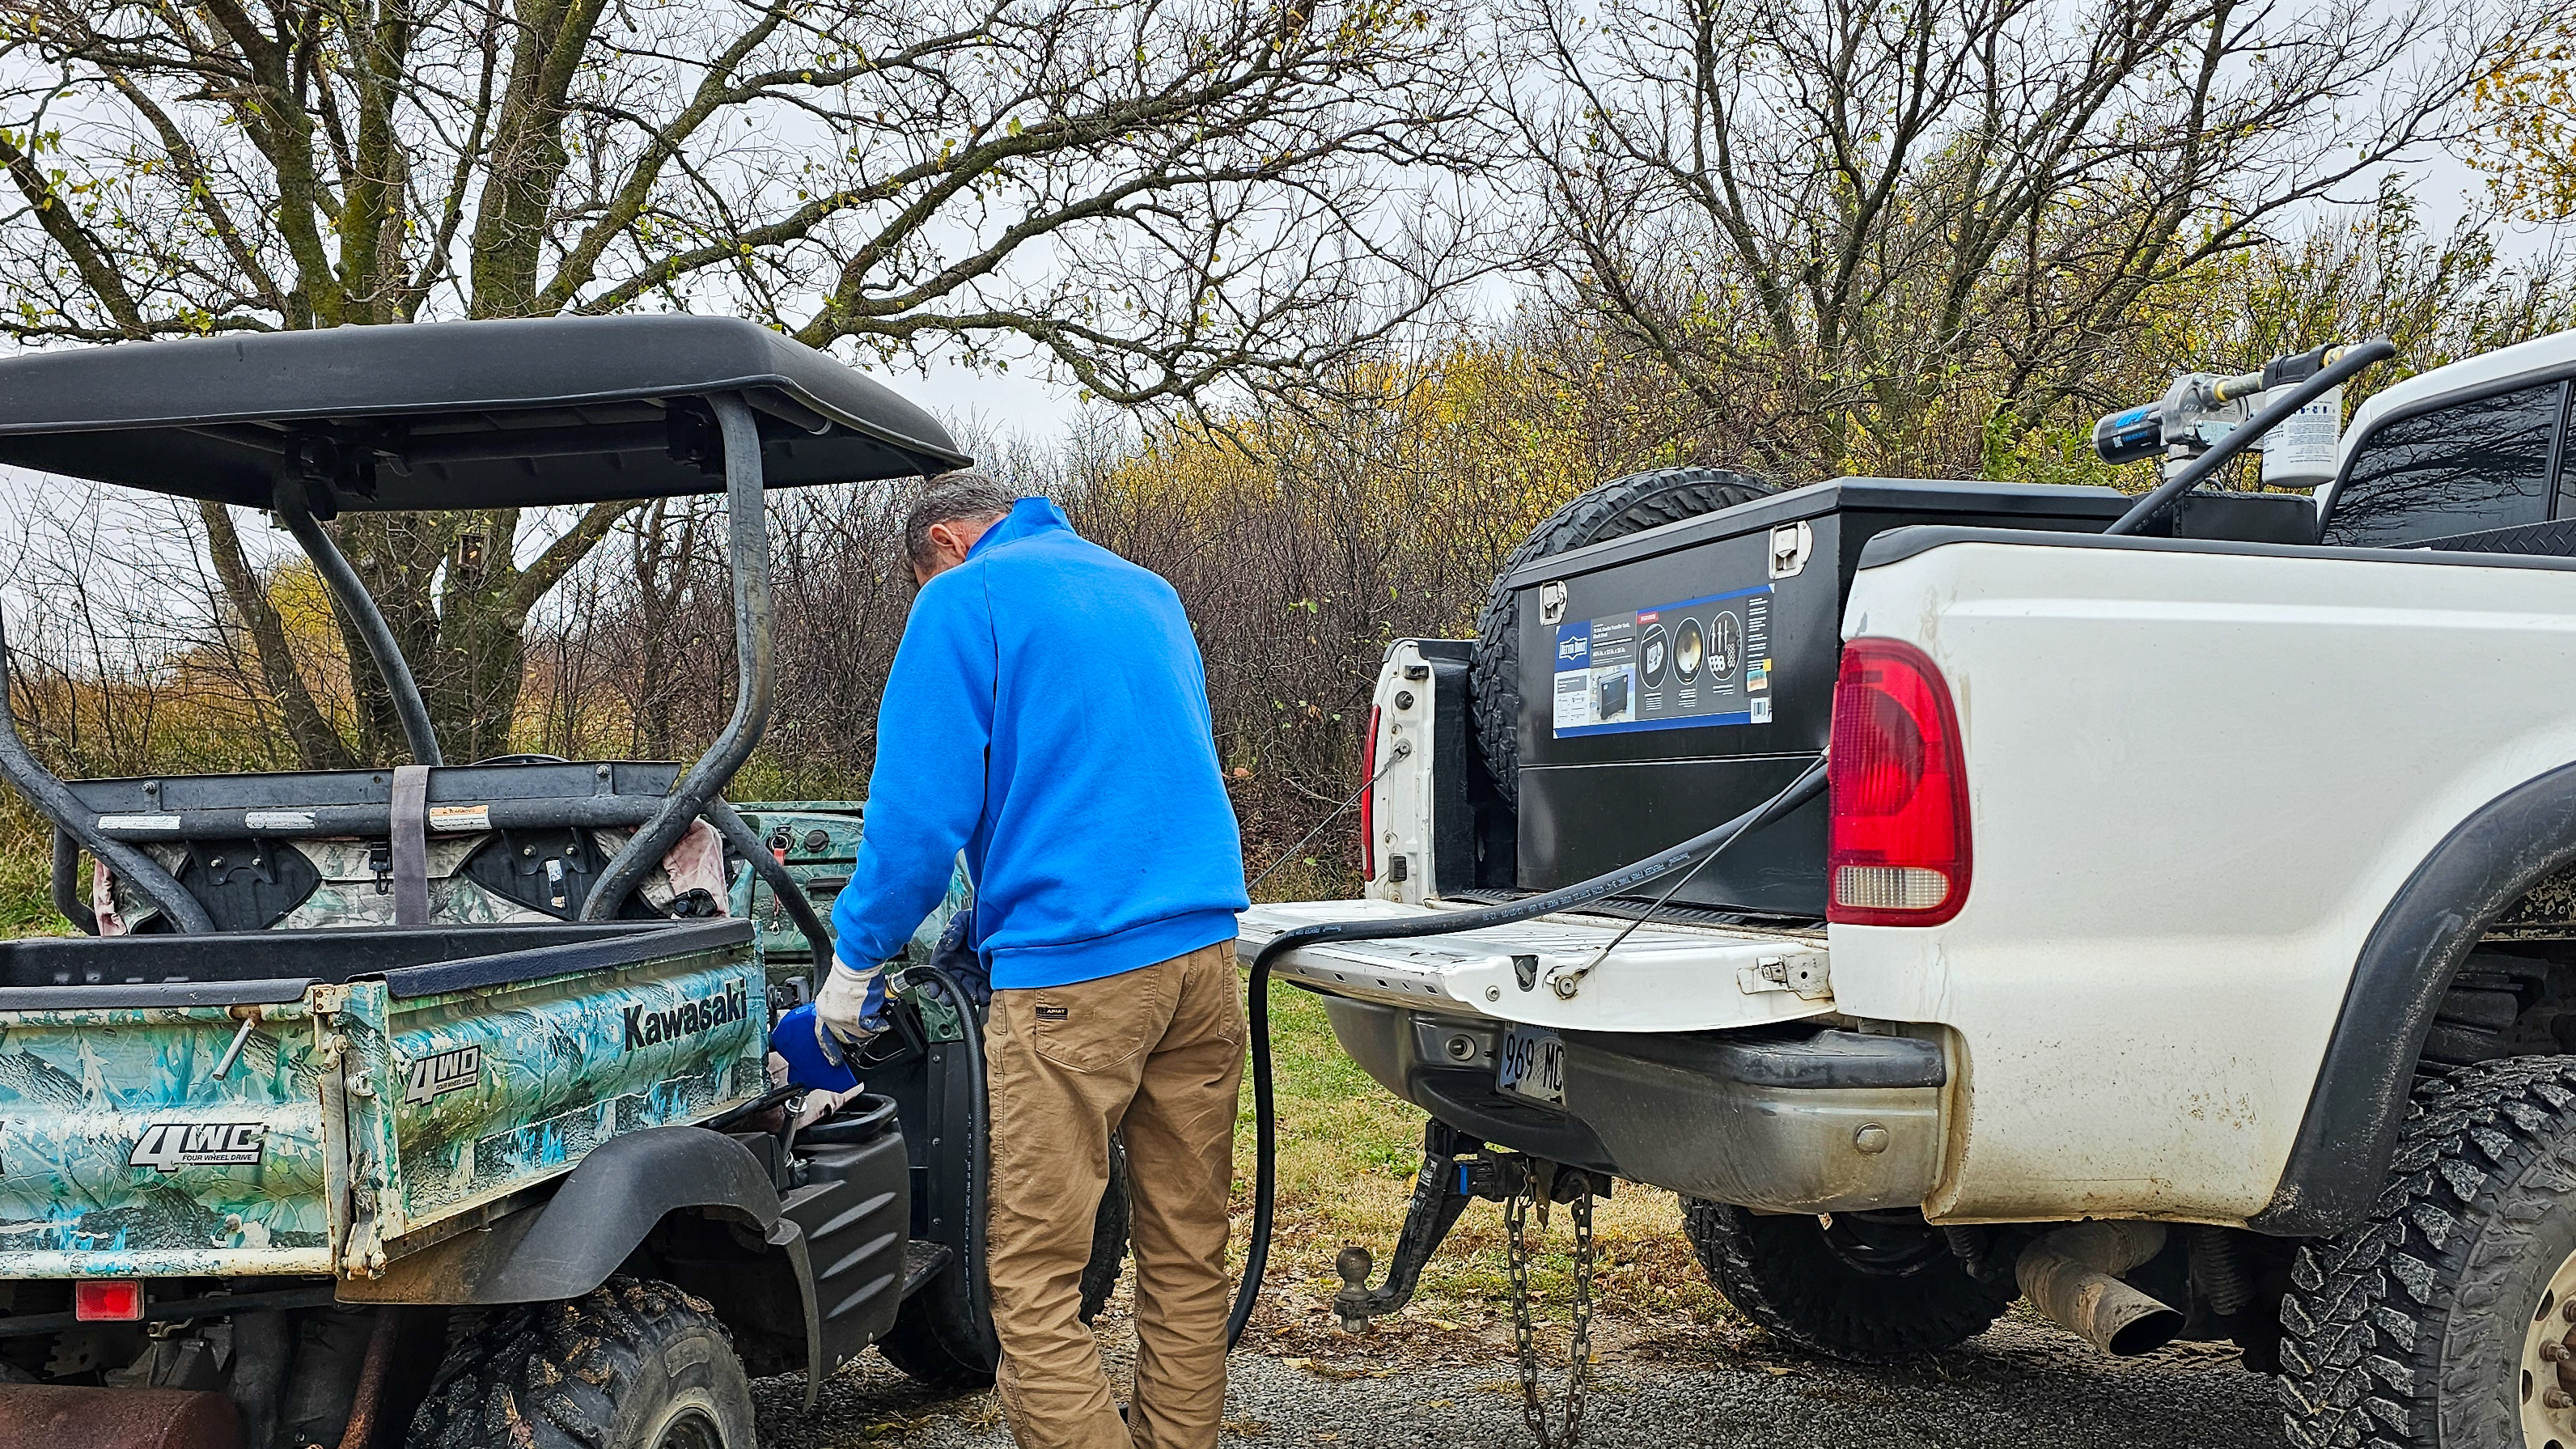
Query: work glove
[(956, 955), (850, 1009)]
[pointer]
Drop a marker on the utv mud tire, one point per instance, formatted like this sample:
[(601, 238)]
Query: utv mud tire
[(2423, 1325), (1616, 509), (1875, 1288), (939, 1340), (635, 1365)]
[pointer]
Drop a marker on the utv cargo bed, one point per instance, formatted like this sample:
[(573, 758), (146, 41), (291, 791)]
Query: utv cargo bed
[(434, 1073)]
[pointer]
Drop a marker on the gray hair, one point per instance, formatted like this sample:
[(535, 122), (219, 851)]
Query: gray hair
[(951, 498)]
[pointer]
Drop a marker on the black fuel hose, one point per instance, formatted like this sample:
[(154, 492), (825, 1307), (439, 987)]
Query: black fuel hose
[(979, 1150), (1265, 1179)]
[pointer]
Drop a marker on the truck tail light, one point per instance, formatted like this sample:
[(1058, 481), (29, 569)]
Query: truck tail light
[(107, 1300), (1368, 798), (1896, 849)]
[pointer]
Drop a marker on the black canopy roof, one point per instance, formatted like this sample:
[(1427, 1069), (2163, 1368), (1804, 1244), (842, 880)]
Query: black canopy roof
[(457, 414)]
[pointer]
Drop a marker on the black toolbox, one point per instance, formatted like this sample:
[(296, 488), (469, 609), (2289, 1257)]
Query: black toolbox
[(1674, 678)]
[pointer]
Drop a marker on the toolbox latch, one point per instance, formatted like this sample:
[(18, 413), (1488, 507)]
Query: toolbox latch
[(1790, 545)]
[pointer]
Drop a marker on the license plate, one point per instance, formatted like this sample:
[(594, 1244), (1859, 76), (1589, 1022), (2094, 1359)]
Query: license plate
[(1531, 1064)]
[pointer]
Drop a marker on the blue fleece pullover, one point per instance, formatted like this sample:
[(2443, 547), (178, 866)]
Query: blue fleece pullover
[(1047, 714)]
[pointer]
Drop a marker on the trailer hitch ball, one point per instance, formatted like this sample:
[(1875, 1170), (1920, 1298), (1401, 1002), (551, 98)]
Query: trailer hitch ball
[(1353, 1264)]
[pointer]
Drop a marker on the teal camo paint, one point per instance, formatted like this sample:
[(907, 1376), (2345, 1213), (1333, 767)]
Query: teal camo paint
[(496, 1089), (122, 1156), (821, 838), (351, 1119)]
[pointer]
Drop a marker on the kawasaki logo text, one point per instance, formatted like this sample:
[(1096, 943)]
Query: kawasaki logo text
[(704, 1013)]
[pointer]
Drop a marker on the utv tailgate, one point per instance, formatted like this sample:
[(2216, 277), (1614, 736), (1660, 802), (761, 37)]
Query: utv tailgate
[(1663, 977), (165, 1113)]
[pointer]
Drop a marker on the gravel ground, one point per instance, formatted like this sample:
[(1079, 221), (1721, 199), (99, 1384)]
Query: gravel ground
[(2024, 1385)]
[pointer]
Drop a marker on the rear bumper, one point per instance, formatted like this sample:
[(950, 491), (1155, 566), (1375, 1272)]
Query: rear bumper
[(1792, 1119)]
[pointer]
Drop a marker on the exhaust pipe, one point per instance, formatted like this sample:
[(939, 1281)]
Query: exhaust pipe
[(2069, 1277)]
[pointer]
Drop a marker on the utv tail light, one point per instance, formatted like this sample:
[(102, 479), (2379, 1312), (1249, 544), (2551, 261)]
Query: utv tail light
[(107, 1300), (1897, 846), (1368, 799)]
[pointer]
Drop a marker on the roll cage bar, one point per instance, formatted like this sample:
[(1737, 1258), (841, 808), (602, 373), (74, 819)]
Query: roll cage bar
[(518, 413)]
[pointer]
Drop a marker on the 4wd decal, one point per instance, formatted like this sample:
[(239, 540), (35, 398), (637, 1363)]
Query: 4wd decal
[(645, 1027), (169, 1146), (440, 1073)]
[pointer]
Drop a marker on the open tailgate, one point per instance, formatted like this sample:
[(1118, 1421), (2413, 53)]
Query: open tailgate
[(1663, 977)]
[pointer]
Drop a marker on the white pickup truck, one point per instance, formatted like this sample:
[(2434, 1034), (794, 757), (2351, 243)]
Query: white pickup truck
[(2215, 891)]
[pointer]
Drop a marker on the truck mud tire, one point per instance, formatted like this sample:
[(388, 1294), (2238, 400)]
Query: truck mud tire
[(1616, 509), (940, 1340), (2446, 1316), (634, 1365), (1869, 1288)]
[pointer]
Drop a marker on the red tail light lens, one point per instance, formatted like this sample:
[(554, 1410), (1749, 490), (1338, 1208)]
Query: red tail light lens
[(1368, 800), (1897, 848), (107, 1300)]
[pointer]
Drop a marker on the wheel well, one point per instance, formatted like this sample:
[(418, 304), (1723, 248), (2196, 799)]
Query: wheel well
[(2488, 911), (752, 1285), (2515, 992)]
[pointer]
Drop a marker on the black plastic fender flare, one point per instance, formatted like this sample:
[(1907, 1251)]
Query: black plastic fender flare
[(604, 1209), (2487, 863)]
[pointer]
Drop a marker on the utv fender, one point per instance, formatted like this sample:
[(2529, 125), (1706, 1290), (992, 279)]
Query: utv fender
[(599, 1216), (2486, 864)]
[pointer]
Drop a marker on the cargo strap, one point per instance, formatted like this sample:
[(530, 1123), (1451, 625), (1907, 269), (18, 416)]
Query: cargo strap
[(411, 845)]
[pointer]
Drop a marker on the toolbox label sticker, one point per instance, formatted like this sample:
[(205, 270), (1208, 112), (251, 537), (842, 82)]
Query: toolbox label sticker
[(1704, 661)]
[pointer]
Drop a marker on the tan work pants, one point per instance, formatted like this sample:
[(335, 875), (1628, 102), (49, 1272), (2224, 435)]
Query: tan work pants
[(1156, 1054)]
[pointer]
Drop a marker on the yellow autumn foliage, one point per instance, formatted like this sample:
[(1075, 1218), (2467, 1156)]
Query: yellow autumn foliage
[(2526, 142)]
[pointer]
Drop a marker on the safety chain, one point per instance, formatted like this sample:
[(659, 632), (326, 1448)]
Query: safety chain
[(1524, 1333)]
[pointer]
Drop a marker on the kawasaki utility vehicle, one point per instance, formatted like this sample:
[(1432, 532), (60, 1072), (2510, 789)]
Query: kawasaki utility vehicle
[(429, 1105), (2179, 928)]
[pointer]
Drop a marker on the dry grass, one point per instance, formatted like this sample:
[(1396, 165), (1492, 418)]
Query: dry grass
[(26, 867), (1348, 1151)]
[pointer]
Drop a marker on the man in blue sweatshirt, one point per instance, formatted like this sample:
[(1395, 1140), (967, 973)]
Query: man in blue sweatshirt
[(1047, 714)]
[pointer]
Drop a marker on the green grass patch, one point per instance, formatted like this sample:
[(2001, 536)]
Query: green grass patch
[(26, 872)]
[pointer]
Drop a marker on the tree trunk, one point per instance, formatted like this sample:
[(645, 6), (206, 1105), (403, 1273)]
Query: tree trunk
[(317, 744), (482, 646)]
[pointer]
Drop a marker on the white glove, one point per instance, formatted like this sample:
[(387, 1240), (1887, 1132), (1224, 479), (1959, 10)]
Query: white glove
[(849, 1009)]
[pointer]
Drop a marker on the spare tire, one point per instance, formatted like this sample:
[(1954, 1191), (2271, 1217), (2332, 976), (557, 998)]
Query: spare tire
[(1616, 509)]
